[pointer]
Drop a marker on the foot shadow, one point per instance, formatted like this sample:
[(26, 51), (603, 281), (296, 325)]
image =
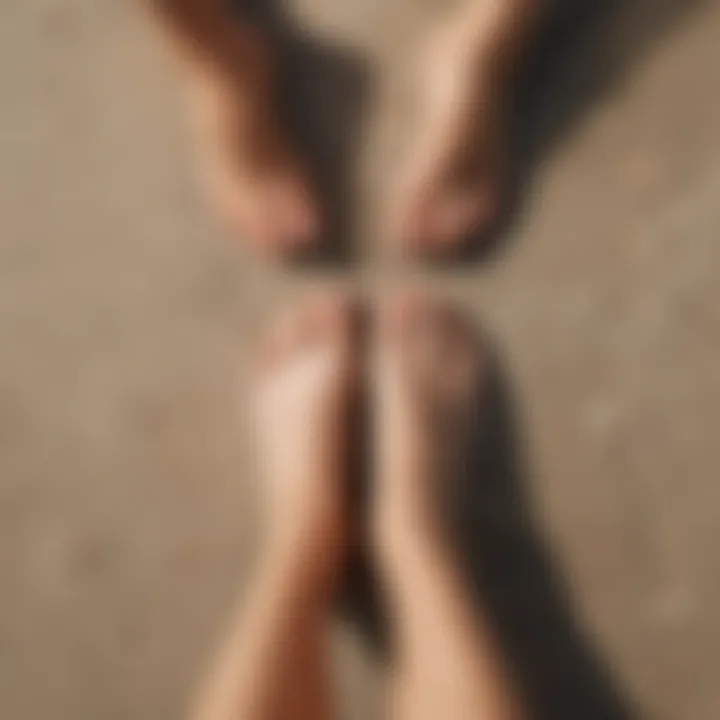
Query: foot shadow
[(513, 580), (516, 582), (322, 96), (585, 50)]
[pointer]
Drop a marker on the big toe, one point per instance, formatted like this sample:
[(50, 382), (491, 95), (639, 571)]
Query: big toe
[(443, 221), (399, 315), (429, 339), (324, 319), (407, 334), (293, 216), (277, 217), (460, 216)]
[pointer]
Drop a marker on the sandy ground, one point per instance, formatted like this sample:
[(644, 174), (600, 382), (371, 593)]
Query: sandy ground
[(126, 506)]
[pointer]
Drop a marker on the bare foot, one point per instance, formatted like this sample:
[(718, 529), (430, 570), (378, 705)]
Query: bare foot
[(429, 371), (430, 375), (305, 385), (454, 185), (252, 175)]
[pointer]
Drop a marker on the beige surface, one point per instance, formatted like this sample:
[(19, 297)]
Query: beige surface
[(125, 515)]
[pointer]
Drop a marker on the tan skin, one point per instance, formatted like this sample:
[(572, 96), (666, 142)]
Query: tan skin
[(253, 176), (454, 178), (274, 661), (428, 366), (274, 665)]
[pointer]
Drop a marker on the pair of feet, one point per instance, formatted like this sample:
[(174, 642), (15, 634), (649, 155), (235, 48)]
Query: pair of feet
[(422, 369), (451, 188)]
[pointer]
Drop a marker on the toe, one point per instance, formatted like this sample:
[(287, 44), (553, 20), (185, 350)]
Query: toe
[(401, 313), (265, 356), (436, 335), (329, 315), (276, 218), (324, 321), (413, 328), (459, 216), (277, 341), (291, 330), (248, 217), (460, 351), (411, 218), (295, 216)]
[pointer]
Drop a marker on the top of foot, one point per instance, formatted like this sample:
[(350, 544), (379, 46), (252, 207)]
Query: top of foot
[(430, 372), (253, 176), (305, 383)]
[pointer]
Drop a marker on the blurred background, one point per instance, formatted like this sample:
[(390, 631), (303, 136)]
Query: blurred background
[(126, 502)]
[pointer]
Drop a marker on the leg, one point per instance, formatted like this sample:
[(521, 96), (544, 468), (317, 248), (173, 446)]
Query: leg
[(273, 666), (251, 172), (455, 183), (428, 366)]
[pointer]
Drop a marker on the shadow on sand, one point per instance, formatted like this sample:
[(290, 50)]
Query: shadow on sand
[(511, 575), (586, 50), (515, 580)]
